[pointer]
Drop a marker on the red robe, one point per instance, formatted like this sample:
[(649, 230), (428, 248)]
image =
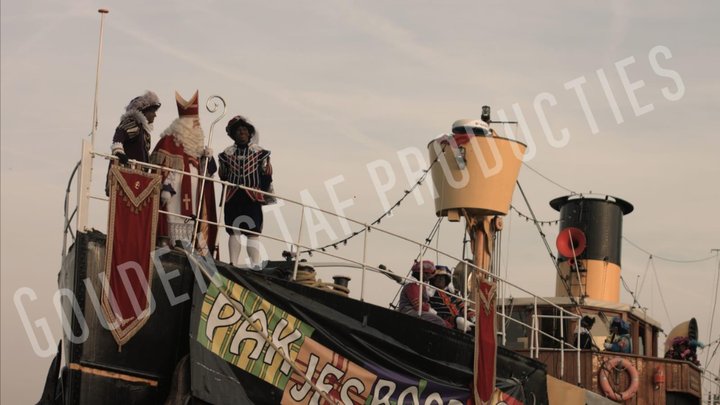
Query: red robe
[(171, 154)]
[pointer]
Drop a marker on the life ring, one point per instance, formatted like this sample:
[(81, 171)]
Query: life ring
[(605, 384)]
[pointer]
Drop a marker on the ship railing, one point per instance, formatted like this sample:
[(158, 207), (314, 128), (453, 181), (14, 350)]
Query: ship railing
[(424, 249), (713, 383)]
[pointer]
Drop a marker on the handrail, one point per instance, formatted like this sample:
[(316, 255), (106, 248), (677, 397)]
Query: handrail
[(67, 220), (422, 245), (535, 330)]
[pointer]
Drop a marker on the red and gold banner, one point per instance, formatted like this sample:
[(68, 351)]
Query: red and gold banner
[(485, 341), (132, 224)]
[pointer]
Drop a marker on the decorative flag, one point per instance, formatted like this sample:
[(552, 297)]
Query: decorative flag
[(485, 340), (132, 224)]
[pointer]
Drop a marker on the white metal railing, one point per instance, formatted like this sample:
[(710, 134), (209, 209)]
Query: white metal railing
[(712, 387), (534, 328)]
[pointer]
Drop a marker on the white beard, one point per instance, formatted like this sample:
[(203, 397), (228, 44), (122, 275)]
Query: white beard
[(191, 138)]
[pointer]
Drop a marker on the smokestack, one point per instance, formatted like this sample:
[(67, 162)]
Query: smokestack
[(597, 220)]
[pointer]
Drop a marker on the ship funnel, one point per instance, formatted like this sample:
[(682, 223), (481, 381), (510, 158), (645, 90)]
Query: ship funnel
[(592, 224), (476, 170)]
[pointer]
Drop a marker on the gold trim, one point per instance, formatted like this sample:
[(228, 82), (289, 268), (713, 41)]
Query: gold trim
[(487, 300), (112, 374), (135, 200)]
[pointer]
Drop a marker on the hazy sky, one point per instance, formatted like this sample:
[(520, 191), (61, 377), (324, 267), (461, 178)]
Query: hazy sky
[(335, 86)]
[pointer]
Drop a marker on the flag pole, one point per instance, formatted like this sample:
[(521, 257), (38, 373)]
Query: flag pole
[(102, 12)]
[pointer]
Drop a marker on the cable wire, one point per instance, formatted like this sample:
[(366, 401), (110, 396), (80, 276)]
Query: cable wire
[(662, 298), (428, 240), (712, 317), (666, 259), (547, 246), (549, 179), (344, 241)]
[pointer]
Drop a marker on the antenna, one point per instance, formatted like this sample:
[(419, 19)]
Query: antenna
[(102, 12), (485, 116)]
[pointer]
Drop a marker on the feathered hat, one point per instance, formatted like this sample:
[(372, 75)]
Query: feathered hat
[(187, 108), (147, 100)]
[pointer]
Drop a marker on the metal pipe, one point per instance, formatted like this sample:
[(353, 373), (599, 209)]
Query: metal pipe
[(577, 269), (297, 243), (465, 296), (421, 286), (364, 259), (578, 351), (562, 346), (66, 207), (536, 329)]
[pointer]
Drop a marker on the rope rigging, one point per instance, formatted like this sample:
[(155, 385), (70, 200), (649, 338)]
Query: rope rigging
[(344, 241), (636, 303), (662, 298), (654, 256), (527, 218), (547, 246), (428, 240)]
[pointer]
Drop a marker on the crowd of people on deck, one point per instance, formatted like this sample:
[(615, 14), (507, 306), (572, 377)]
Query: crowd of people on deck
[(436, 302), (182, 149)]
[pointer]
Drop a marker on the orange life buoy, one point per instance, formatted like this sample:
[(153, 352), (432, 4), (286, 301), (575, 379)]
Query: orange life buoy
[(605, 384)]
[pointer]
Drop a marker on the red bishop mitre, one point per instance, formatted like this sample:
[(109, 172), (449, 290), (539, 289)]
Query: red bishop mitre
[(187, 108)]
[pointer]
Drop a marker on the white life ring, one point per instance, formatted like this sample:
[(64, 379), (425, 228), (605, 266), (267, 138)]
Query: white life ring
[(605, 384)]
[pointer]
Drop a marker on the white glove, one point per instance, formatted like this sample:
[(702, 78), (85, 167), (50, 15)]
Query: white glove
[(430, 291), (463, 324), (165, 197), (432, 310), (208, 151)]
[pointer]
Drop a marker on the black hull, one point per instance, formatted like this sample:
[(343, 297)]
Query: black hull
[(95, 371)]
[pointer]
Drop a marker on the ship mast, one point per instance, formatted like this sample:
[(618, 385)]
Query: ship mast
[(475, 181), (86, 160)]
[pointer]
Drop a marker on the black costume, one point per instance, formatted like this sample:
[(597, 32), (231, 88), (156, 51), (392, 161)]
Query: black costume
[(249, 166)]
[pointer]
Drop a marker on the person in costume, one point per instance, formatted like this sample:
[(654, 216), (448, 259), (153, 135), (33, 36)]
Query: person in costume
[(182, 147), (414, 296), (619, 339), (586, 340), (245, 163), (448, 307), (684, 348), (132, 136)]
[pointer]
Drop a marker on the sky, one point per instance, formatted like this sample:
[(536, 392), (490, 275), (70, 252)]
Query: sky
[(612, 97)]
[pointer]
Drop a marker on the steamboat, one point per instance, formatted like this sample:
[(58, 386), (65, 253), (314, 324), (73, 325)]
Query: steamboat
[(208, 332)]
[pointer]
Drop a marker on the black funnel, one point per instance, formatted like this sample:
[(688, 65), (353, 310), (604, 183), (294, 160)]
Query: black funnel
[(600, 218)]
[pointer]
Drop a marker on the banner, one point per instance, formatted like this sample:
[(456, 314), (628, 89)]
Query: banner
[(251, 341), (485, 340), (132, 222)]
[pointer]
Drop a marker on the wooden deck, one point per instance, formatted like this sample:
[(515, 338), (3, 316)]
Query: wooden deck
[(682, 379)]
